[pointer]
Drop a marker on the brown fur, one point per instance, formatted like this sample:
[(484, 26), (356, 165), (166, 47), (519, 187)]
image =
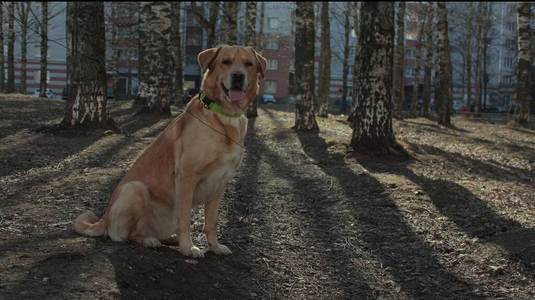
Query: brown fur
[(188, 164)]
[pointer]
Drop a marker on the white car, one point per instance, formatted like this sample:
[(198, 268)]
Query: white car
[(50, 94)]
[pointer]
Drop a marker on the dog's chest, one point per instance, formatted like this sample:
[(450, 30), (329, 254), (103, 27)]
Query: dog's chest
[(214, 181)]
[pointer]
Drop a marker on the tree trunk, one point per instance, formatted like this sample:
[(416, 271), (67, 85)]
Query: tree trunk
[(86, 104), (305, 119), (428, 59), (155, 70), (2, 70), (468, 55), (23, 14), (250, 40), (399, 61), (372, 124), (44, 49), (418, 58), (178, 78), (209, 25), (345, 67), (230, 23), (356, 60), (325, 62), (11, 48), (444, 65), (114, 69), (479, 57), (523, 93)]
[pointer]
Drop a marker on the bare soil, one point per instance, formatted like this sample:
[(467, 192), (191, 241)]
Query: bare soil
[(303, 218)]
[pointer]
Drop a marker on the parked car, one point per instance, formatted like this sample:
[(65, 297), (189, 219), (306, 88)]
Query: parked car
[(267, 98), (50, 94)]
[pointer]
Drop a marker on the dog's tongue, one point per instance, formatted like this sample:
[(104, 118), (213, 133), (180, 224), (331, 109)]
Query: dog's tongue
[(236, 95)]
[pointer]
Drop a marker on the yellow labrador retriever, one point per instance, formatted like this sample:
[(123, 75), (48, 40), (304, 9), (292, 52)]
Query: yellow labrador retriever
[(189, 163)]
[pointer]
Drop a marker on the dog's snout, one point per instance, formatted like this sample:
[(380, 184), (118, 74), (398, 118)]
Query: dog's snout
[(237, 80)]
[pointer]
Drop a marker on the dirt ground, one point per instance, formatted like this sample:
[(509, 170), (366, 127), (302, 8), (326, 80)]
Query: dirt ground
[(303, 219)]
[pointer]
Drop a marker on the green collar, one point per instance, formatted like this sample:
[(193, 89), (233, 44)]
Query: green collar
[(215, 107)]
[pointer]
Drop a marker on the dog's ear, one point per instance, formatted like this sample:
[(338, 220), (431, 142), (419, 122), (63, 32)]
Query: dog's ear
[(261, 61), (207, 57)]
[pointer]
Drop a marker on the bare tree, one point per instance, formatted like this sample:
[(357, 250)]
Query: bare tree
[(345, 63), (399, 60), (356, 61), (428, 59), (468, 53), (418, 57), (444, 71), (523, 88), (481, 40), (115, 48), (44, 49), (209, 24), (2, 70), (23, 11), (230, 22), (305, 119), (325, 61), (155, 70), (11, 48), (372, 124), (87, 104), (251, 40), (178, 78)]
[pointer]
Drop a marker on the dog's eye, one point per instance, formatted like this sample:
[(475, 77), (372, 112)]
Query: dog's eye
[(226, 62), (248, 64)]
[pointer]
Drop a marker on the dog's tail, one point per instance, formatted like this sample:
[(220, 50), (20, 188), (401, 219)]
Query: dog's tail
[(89, 224)]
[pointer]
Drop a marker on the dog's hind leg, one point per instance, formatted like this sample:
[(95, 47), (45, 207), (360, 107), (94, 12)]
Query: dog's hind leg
[(126, 211)]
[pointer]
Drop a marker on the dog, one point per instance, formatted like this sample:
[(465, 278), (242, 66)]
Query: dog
[(189, 163)]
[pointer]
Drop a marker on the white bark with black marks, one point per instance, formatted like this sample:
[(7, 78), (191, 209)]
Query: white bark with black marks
[(372, 123), (305, 119), (524, 59), (325, 61)]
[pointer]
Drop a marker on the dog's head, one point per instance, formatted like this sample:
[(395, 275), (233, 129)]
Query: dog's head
[(232, 75)]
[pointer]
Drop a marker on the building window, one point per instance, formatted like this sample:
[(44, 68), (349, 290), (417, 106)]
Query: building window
[(410, 53), (270, 87), (193, 40), (272, 64), (508, 62), (511, 26), (272, 44), (273, 23), (508, 79), (510, 44), (410, 72)]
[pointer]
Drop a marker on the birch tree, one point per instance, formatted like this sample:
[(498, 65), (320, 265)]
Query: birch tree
[(356, 60), (345, 64), (87, 104), (399, 60), (481, 40), (251, 40), (178, 76), (11, 48), (325, 61), (372, 124), (44, 49), (155, 70), (23, 11), (305, 119), (2, 70), (468, 53), (426, 97), (444, 65), (523, 88), (418, 57), (230, 22), (207, 23)]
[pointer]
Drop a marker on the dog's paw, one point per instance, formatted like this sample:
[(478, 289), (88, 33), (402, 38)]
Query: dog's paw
[(192, 251), (220, 250), (151, 242)]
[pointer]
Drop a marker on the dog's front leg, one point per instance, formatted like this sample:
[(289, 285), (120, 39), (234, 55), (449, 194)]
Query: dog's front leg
[(185, 188), (210, 227)]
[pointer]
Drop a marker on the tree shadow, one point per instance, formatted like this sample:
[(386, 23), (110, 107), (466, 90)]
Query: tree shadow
[(387, 235), (471, 214)]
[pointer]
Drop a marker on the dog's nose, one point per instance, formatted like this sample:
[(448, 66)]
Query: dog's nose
[(237, 81)]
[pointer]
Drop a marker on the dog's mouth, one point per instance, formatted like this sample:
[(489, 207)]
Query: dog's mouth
[(233, 94)]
